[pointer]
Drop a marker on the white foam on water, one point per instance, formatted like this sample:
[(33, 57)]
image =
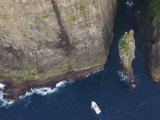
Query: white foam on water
[(129, 3), (94, 72), (2, 86), (61, 83), (3, 101), (6, 103), (122, 75), (98, 70), (44, 90), (39, 91)]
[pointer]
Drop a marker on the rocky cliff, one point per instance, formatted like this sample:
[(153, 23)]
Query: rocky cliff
[(151, 33), (127, 52), (54, 36)]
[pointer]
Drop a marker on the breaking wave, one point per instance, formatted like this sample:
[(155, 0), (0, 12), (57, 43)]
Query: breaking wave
[(3, 101), (39, 91), (122, 75), (101, 69), (44, 90)]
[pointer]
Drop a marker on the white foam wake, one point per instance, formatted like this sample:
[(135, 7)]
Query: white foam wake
[(40, 91)]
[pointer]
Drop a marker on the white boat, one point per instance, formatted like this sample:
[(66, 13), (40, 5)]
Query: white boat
[(95, 107), (129, 3)]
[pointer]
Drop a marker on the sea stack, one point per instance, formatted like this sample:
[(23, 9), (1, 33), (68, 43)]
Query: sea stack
[(127, 52)]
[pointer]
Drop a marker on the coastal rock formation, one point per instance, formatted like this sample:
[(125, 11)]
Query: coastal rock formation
[(150, 29), (54, 37), (152, 47), (45, 41), (127, 52)]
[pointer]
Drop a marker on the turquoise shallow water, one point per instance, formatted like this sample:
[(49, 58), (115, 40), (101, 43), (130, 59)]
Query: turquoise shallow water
[(116, 100)]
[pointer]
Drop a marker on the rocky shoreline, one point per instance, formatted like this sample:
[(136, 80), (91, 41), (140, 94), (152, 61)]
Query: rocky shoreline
[(13, 89), (38, 45)]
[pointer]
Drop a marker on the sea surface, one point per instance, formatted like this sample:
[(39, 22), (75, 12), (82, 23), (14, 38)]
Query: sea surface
[(117, 101)]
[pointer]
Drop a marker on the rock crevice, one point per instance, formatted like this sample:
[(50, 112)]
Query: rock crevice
[(63, 35)]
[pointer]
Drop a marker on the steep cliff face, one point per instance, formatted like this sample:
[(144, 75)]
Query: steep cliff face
[(151, 34), (152, 48), (54, 36)]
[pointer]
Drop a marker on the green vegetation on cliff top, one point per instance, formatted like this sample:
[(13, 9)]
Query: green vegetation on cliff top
[(154, 8), (3, 16), (123, 44), (21, 74), (126, 44)]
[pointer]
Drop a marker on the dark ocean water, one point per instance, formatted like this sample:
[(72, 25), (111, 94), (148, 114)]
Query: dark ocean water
[(116, 100)]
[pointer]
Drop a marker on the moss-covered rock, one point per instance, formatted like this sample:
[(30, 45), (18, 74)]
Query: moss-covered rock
[(127, 51), (155, 76), (154, 7)]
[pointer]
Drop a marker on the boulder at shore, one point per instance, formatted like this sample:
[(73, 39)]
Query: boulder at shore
[(127, 52)]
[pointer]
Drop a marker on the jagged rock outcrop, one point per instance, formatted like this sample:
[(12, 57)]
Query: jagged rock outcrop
[(150, 29), (127, 52), (54, 36), (151, 35)]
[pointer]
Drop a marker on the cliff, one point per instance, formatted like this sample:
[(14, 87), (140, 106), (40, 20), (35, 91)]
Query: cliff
[(150, 28), (40, 39), (127, 52), (45, 41)]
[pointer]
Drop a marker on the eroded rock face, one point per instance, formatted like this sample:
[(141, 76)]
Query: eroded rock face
[(127, 52), (150, 29), (155, 61), (152, 48), (53, 34)]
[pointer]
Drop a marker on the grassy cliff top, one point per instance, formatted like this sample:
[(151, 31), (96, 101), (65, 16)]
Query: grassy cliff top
[(154, 7), (124, 43)]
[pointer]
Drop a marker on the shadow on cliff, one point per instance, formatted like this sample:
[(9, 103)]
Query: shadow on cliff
[(63, 35)]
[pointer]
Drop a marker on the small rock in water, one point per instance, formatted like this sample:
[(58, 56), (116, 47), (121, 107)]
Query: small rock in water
[(134, 85)]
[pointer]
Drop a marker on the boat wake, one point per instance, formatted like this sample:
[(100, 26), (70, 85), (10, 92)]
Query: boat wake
[(39, 91), (129, 3), (146, 102)]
